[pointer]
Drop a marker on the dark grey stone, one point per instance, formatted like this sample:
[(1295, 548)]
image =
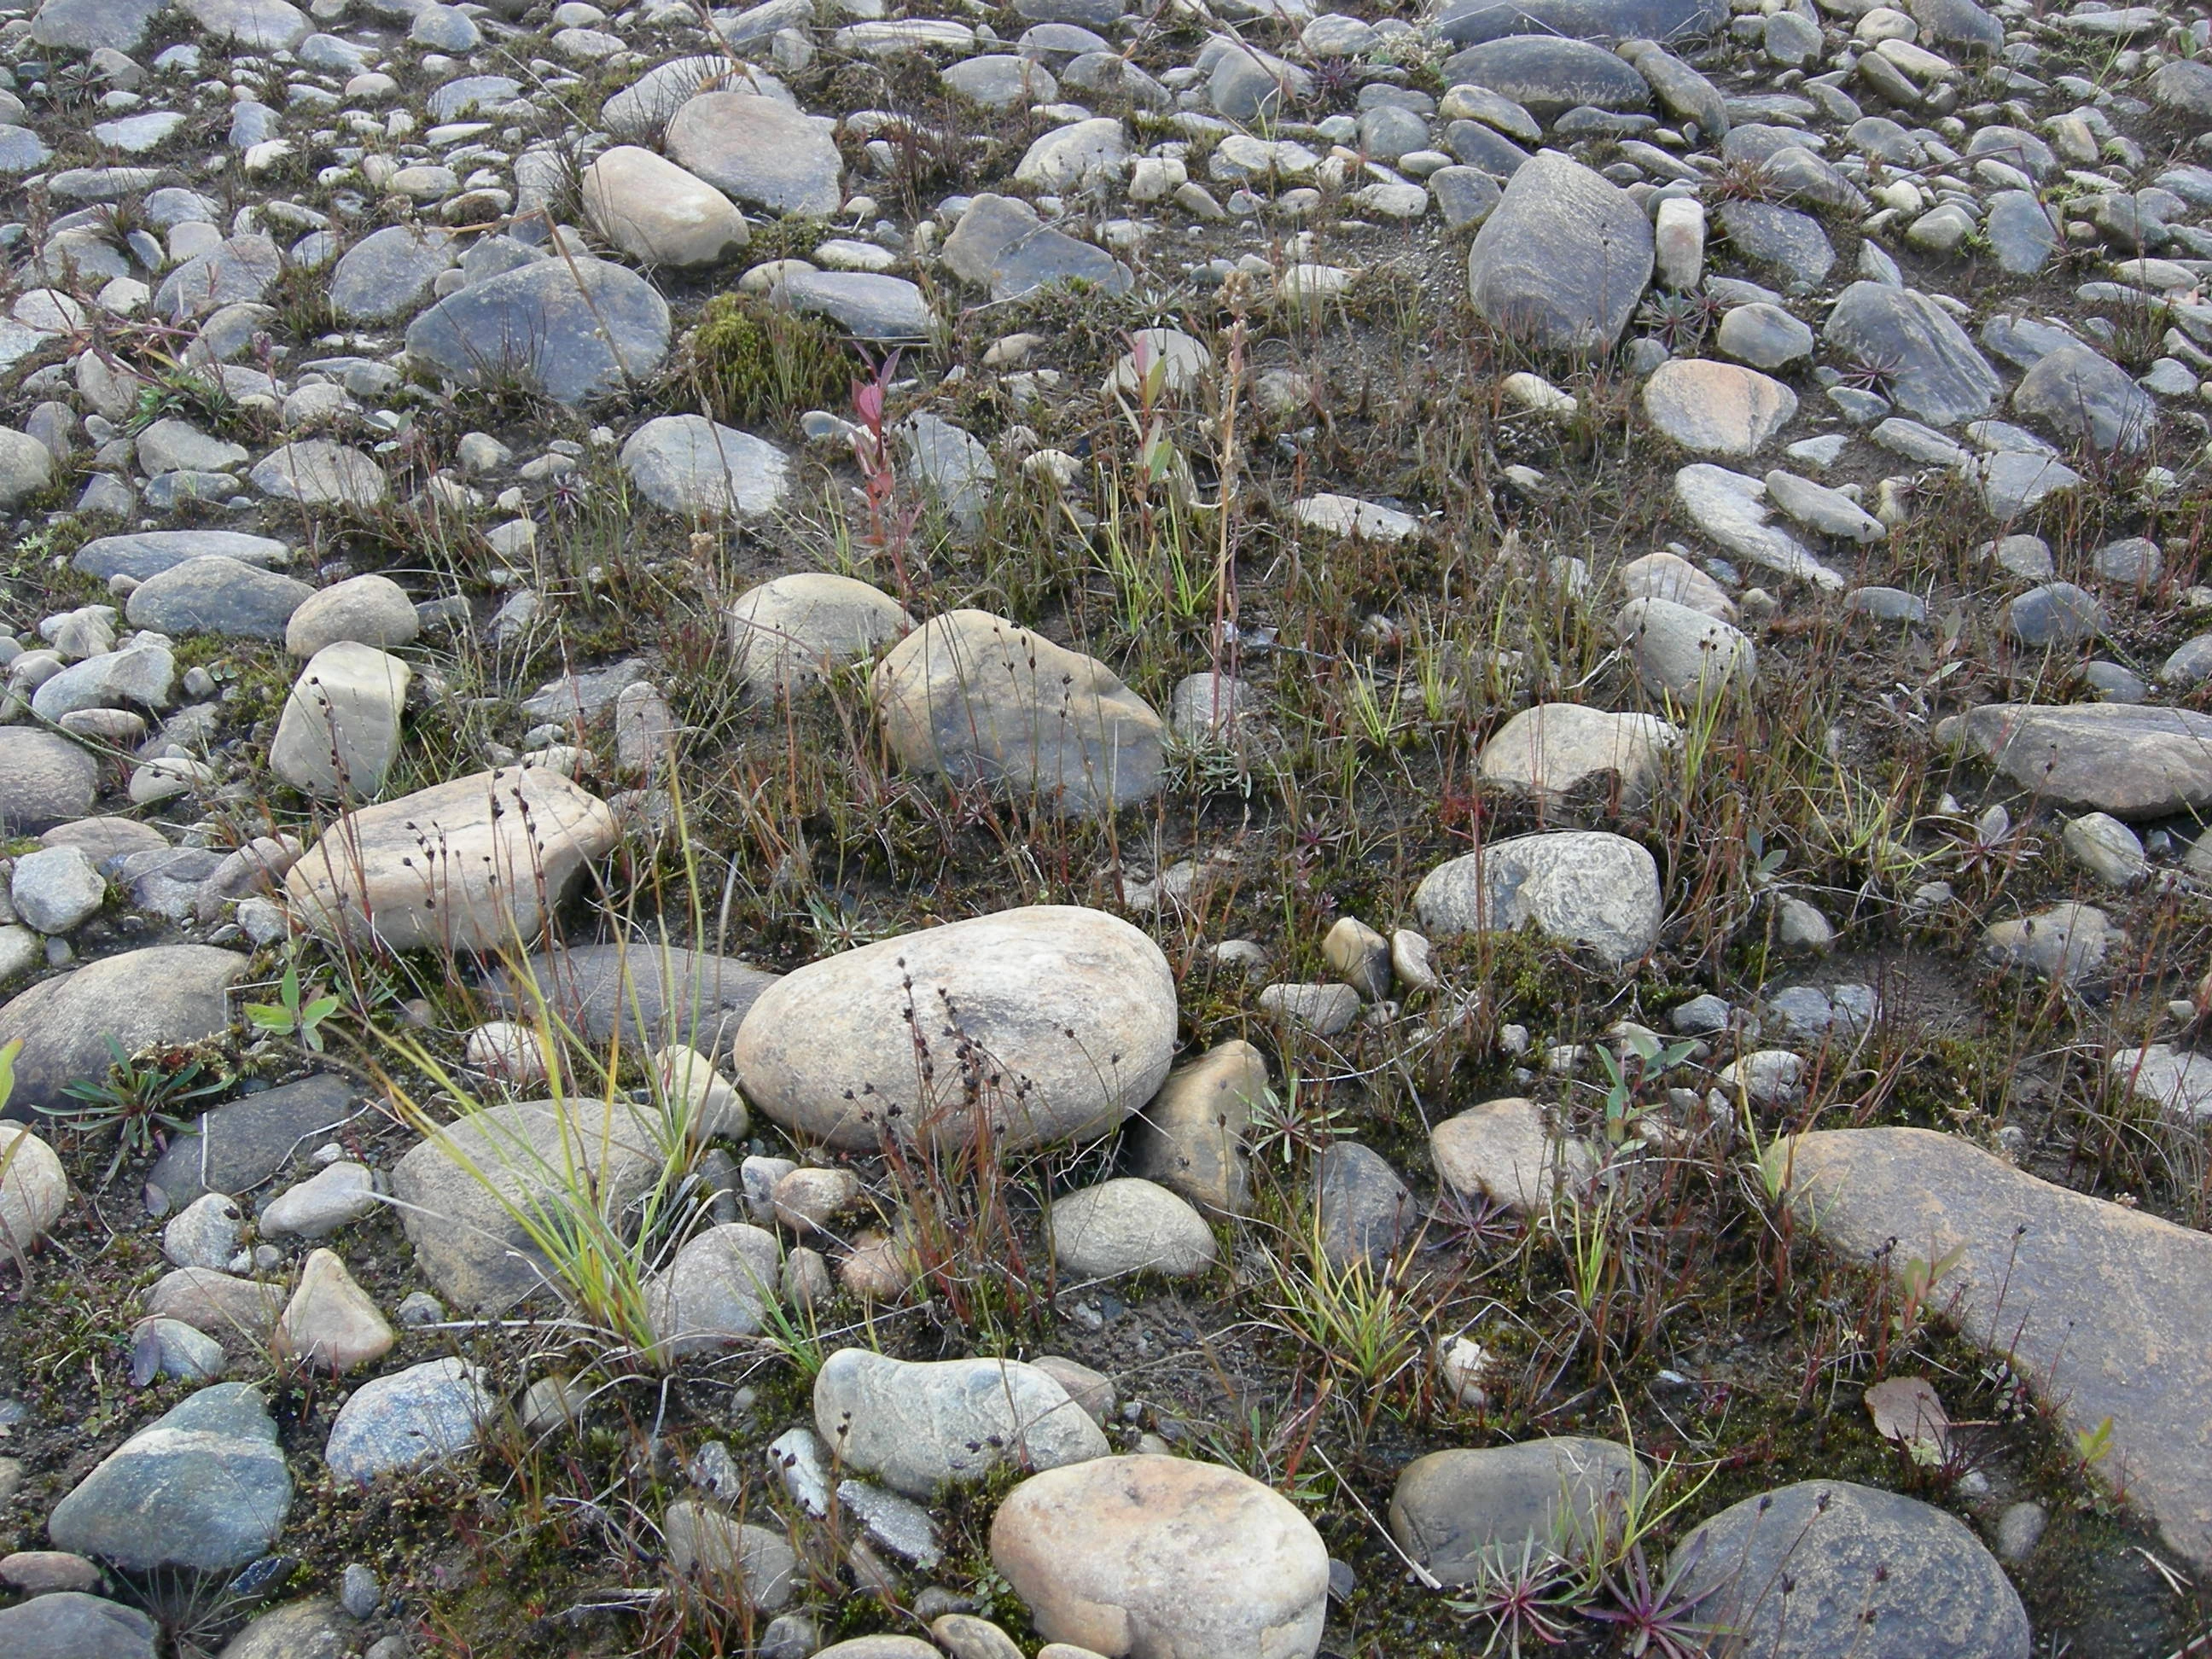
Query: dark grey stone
[(1548, 76), (1781, 239), (218, 595), (2086, 396), (1478, 144), (2056, 613), (387, 274), (1935, 371), (1364, 1209), (1564, 260), (2023, 232), (571, 339), (659, 994), (1469, 23), (1452, 1509), (1828, 1568), (235, 1147), (866, 306)]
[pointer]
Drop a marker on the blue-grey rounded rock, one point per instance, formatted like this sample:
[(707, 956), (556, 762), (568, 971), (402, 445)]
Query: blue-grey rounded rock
[(572, 331), (388, 273), (1469, 23), (408, 1419), (204, 1486), (2055, 613), (1828, 1568), (70, 1624)]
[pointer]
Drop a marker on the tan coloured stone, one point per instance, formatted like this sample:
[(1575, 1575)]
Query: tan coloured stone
[(330, 1321), (472, 864)]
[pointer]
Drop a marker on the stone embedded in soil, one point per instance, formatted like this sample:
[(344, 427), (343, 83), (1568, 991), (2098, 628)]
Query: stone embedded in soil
[(791, 631), (1129, 1225), (367, 609), (657, 213), (1564, 259), (315, 1628), (1715, 408), (44, 780), (1504, 1151), (1152, 1555), (1809, 1571), (979, 699), (1684, 653), (1190, 1136), (204, 1486), (2100, 1307), (716, 1290), (238, 1312), (1464, 22), (573, 331), (763, 152), (1451, 1509), (1580, 887), (408, 1419), (70, 1624), (919, 1425), (2082, 395), (1730, 507), (829, 1050), (330, 1321), (705, 1543), (339, 732), (2132, 762), (688, 465), (458, 1192), (656, 995), (2067, 942), (232, 1148), (1557, 748), (472, 864), (1932, 366), (33, 1187), (167, 994), (1363, 1212)]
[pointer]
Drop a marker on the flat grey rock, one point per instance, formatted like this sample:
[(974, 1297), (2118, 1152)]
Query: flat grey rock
[(237, 1146), (921, 1426), (1548, 76), (574, 333), (2134, 763), (1925, 355), (1468, 22), (388, 273), (148, 553), (1580, 887), (688, 465), (866, 306)]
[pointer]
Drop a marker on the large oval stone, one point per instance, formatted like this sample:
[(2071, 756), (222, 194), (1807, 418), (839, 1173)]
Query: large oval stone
[(572, 331), (472, 864), (919, 1426), (1163, 1558), (1051, 1022)]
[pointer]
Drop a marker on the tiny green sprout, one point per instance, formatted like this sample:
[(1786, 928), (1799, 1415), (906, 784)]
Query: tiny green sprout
[(1622, 1109), (289, 1015), (2091, 1444)]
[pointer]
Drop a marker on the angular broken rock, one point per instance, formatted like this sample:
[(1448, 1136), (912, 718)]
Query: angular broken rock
[(2105, 1309)]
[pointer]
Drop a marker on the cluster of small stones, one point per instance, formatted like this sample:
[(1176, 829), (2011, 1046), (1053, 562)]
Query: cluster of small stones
[(1660, 179)]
